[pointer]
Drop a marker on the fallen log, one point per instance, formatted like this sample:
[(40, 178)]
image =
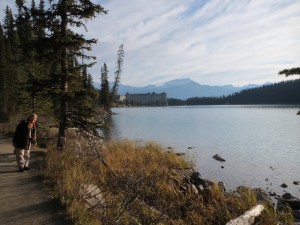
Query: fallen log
[(248, 217)]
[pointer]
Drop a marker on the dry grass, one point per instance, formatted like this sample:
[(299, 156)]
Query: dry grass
[(140, 185)]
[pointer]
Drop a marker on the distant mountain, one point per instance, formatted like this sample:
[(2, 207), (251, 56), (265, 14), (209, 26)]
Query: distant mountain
[(183, 89)]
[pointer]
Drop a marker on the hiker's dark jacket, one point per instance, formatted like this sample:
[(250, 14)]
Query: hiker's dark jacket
[(20, 139)]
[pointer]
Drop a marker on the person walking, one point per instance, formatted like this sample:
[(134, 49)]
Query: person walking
[(24, 137)]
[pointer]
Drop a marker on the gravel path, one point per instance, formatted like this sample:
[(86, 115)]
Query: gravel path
[(23, 196)]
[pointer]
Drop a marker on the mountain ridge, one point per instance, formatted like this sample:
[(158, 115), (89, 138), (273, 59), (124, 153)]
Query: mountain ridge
[(183, 89)]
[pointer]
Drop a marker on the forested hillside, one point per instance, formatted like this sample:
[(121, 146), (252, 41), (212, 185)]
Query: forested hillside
[(286, 92), (44, 63)]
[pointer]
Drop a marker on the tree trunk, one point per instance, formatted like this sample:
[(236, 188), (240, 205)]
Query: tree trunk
[(64, 79), (248, 217)]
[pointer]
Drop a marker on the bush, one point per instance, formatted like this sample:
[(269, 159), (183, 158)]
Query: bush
[(140, 184)]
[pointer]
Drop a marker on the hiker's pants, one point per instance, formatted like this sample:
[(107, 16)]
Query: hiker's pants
[(22, 157)]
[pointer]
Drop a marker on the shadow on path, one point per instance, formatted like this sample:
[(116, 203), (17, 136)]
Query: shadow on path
[(24, 199)]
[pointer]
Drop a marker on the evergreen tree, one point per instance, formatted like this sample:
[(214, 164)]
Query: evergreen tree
[(26, 64), (118, 72), (2, 73), (290, 72), (107, 96), (81, 113), (12, 69), (39, 62), (8, 23), (104, 90), (66, 44), (41, 20)]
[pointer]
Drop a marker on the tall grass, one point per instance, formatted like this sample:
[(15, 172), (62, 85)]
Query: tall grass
[(140, 184)]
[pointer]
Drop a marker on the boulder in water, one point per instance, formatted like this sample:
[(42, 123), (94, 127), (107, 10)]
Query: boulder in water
[(219, 158), (283, 185)]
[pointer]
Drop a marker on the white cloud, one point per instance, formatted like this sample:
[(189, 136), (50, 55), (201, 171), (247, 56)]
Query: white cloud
[(222, 42), (212, 42)]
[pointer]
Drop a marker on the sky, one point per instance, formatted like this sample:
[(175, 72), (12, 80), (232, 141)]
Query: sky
[(214, 42)]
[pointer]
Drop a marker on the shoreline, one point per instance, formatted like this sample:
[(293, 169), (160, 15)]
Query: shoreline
[(271, 184), (251, 143)]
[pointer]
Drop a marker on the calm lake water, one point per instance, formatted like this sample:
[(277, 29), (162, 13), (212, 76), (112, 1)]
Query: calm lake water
[(261, 144)]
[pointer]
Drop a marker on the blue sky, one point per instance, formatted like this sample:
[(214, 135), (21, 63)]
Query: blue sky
[(214, 42)]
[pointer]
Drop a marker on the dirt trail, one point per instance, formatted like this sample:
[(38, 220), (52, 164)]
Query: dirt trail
[(23, 196)]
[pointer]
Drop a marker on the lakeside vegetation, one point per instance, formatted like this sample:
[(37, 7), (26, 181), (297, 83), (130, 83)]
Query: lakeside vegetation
[(142, 185)]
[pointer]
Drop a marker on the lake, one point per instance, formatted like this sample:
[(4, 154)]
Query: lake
[(261, 144)]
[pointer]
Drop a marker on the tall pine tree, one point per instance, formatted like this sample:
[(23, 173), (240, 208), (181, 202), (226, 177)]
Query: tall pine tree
[(104, 90), (67, 45), (2, 74), (13, 71), (118, 72)]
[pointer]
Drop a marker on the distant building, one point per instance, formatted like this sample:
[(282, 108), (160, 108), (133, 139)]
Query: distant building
[(121, 99), (149, 99)]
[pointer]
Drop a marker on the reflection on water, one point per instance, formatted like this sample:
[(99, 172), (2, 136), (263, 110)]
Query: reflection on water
[(261, 144), (105, 131)]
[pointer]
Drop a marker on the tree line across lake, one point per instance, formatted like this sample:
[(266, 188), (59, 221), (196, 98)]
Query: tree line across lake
[(286, 92)]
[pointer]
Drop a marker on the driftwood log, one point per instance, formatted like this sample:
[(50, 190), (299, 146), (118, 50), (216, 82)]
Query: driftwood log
[(248, 217)]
